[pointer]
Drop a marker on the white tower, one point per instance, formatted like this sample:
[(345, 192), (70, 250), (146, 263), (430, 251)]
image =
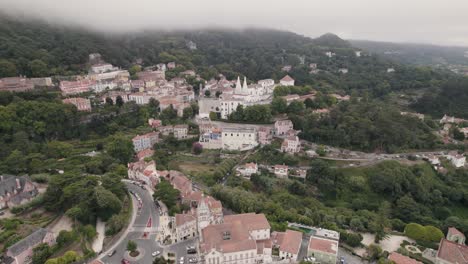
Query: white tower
[(238, 89)]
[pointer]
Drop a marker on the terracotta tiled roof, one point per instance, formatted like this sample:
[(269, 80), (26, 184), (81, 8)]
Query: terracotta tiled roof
[(182, 219), (145, 153), (400, 259), (323, 245), (251, 221), (181, 182), (287, 78), (227, 237), (291, 242), (452, 252)]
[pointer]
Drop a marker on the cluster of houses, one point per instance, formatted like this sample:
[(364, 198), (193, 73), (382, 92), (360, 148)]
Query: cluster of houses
[(14, 191), (450, 122), (223, 238), (281, 171), (245, 138), (114, 83)]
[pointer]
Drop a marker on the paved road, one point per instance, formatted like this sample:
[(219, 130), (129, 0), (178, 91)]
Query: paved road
[(349, 258), (180, 249), (146, 220)]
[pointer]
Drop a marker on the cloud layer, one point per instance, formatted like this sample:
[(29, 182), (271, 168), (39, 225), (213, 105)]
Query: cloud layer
[(425, 21)]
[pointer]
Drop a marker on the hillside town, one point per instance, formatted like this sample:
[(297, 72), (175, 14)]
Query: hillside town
[(229, 169)]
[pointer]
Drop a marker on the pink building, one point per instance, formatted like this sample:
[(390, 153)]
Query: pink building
[(264, 135), (76, 87), (283, 126), (21, 252), (82, 104), (324, 250), (291, 144), (154, 123), (288, 243)]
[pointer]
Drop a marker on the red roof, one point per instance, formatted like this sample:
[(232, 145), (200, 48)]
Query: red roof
[(291, 242), (251, 221), (452, 252), (400, 259), (181, 219), (278, 167), (323, 245), (287, 78)]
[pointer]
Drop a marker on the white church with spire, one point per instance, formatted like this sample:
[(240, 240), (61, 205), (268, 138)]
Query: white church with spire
[(242, 94), (261, 91)]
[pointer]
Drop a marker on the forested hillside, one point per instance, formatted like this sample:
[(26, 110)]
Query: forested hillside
[(451, 99), (33, 48), (415, 54)]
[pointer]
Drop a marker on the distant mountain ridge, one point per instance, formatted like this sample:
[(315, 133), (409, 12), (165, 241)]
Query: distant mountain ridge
[(64, 50), (415, 54)]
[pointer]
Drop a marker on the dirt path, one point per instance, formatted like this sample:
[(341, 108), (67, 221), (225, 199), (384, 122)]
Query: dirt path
[(99, 240), (64, 223)]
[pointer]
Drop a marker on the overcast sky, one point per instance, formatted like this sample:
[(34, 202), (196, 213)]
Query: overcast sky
[(423, 21)]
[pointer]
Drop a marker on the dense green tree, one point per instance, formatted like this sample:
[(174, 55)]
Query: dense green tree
[(57, 149), (167, 194), (41, 253), (131, 246), (108, 203), (279, 105), (7, 68), (295, 107), (120, 148), (38, 68), (187, 113), (169, 114), (119, 101)]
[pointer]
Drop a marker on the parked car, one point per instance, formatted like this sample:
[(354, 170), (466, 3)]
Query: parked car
[(124, 261), (191, 250), (181, 260), (111, 253), (156, 253), (193, 260)]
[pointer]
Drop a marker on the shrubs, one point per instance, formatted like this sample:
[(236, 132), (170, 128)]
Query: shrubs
[(352, 239), (423, 233), (37, 201)]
